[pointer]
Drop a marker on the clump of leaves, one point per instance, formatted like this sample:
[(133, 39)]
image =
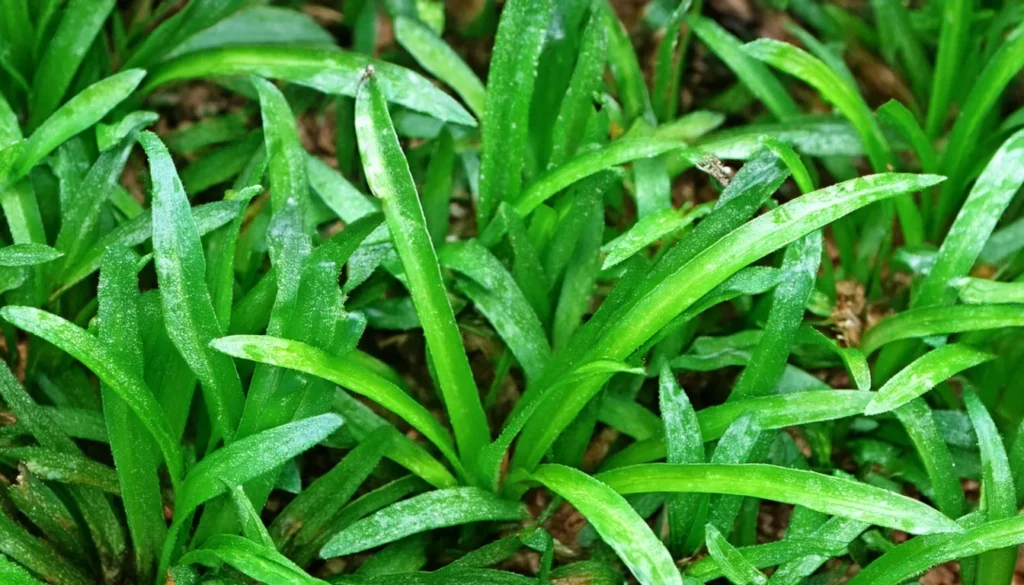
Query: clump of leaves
[(601, 299)]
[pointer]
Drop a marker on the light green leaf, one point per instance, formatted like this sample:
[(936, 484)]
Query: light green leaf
[(429, 511), (617, 523), (830, 495)]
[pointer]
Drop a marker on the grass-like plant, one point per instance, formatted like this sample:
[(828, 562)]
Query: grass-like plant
[(234, 353)]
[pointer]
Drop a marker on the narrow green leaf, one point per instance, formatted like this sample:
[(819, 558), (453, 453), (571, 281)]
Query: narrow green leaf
[(329, 71), (830, 495), (287, 158), (429, 511), (763, 556), (684, 444), (249, 518), (922, 375), (79, 113), (265, 25), (441, 61), (919, 422), (66, 468), (34, 554), (138, 230), (342, 370), (991, 194), (999, 497), (929, 321), (789, 300), (588, 163), (27, 255), (80, 23), (625, 67), (577, 103), (98, 358), (755, 76), (981, 291), (131, 447), (733, 565), (306, 517), (617, 523), (897, 116), (510, 79), (387, 172), (949, 62), (957, 161), (496, 295), (648, 231), (181, 273), (437, 189), (919, 554), (259, 562)]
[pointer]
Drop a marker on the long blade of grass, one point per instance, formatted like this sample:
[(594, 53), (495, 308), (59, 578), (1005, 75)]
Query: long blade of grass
[(136, 231), (188, 310), (79, 113), (617, 523), (919, 422), (588, 163), (957, 160), (919, 554), (953, 37), (79, 25), (342, 370), (98, 358), (440, 60), (510, 80), (734, 566), (684, 444), (27, 255), (921, 376), (576, 106), (329, 71), (286, 166), (754, 75), (131, 447), (830, 495), (999, 497), (496, 295), (309, 513), (388, 174), (259, 562), (789, 300), (429, 511), (14, 574), (940, 321), (991, 194)]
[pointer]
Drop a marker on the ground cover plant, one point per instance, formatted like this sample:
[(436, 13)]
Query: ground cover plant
[(539, 291)]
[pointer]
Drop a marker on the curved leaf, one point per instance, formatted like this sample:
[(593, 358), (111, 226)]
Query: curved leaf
[(330, 71), (187, 307), (388, 174), (429, 511), (830, 495), (928, 321), (342, 370), (95, 356), (617, 523), (438, 58), (922, 375)]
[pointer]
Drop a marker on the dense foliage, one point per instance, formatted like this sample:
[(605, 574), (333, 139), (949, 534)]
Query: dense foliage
[(291, 295)]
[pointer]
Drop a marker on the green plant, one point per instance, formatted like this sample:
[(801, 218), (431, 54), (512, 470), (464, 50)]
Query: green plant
[(554, 302)]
